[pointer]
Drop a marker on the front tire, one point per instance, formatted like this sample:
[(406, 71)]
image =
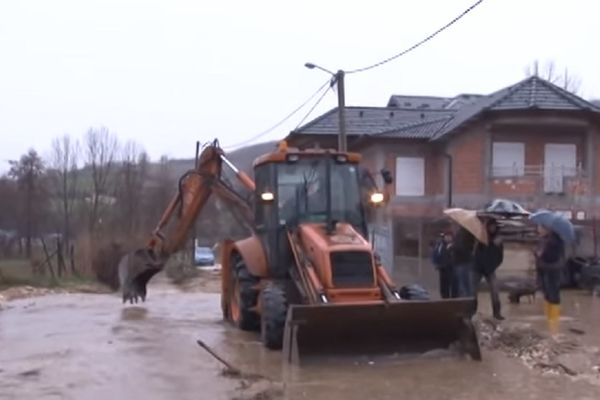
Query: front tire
[(274, 312), (244, 297)]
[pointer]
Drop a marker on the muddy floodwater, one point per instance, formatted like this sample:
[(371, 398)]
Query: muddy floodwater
[(90, 346)]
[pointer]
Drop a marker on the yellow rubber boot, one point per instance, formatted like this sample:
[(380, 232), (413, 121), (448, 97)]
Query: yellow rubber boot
[(553, 318), (547, 310)]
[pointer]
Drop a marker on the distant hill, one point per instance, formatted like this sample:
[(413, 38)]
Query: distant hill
[(221, 221), (241, 158)]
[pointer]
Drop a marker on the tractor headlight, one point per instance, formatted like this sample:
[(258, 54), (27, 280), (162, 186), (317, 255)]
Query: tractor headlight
[(377, 197), (267, 196)]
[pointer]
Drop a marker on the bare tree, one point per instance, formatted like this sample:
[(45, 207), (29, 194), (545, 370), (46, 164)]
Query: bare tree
[(552, 74), (159, 191), (29, 174), (132, 176), (101, 149), (65, 178)]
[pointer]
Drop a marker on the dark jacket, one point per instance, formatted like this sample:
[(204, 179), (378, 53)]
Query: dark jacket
[(551, 252), (442, 256), (488, 258), (462, 249)]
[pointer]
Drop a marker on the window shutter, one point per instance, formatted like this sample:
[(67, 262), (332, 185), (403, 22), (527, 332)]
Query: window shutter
[(508, 159), (410, 176)]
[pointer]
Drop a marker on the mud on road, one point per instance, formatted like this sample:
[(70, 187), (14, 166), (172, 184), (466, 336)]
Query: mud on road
[(91, 346)]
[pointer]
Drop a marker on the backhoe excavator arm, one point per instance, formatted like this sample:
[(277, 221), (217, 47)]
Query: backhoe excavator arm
[(194, 189)]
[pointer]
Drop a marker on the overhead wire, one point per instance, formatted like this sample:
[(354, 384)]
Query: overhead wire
[(286, 118), (315, 105), (385, 61), (420, 43)]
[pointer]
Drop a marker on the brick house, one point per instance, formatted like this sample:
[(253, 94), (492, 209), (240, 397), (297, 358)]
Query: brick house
[(532, 142)]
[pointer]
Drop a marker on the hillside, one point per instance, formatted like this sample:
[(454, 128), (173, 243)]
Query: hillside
[(174, 168), (241, 158), (223, 223)]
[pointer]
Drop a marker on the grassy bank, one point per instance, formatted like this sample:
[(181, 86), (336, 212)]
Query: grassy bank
[(18, 272)]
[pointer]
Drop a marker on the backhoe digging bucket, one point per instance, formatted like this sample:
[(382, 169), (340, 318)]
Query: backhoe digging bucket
[(135, 270), (402, 328)]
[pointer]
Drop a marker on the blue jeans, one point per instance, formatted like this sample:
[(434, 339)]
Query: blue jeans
[(550, 282), (463, 280)]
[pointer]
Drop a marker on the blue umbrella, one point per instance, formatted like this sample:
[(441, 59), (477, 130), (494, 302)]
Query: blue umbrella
[(555, 222)]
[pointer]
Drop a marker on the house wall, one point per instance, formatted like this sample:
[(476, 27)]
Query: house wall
[(473, 183), (594, 151), (467, 151), (535, 137), (390, 150), (407, 219)]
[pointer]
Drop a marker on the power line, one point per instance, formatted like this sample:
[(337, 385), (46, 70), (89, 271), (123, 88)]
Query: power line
[(413, 47), (287, 117), (314, 106)]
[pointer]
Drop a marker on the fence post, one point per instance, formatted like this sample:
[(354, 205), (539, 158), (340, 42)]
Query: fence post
[(72, 259), (48, 259), (60, 258)]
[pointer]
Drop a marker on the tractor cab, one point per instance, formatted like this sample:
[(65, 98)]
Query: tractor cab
[(313, 186)]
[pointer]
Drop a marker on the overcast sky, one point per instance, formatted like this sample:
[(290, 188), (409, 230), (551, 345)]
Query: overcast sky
[(166, 73)]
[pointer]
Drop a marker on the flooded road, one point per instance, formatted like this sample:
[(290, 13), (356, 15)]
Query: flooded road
[(88, 346)]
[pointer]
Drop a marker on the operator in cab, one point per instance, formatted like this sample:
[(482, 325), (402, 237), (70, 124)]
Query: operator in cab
[(310, 198)]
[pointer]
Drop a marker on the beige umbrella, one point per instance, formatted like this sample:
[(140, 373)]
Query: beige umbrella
[(468, 219)]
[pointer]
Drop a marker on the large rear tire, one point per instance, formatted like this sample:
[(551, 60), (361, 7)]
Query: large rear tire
[(245, 296), (274, 312)]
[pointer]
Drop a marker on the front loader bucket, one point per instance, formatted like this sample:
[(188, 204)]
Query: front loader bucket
[(135, 270), (406, 327)]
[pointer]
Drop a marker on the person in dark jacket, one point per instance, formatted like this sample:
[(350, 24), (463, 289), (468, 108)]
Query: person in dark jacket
[(442, 260), (462, 263), (549, 261), (487, 259)]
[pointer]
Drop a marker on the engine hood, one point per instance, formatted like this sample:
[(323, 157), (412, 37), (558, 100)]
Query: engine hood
[(344, 237)]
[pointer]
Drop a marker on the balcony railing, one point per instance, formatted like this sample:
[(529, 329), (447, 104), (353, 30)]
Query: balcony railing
[(554, 177)]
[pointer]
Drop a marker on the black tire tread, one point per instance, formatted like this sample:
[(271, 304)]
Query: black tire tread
[(250, 320), (274, 312)]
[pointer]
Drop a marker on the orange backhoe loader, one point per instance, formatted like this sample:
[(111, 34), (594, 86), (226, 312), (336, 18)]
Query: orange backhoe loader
[(306, 278)]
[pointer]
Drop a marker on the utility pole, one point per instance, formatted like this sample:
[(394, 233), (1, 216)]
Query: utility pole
[(342, 143), (338, 78)]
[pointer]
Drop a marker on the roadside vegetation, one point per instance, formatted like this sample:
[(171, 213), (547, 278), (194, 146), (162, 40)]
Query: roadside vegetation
[(68, 215)]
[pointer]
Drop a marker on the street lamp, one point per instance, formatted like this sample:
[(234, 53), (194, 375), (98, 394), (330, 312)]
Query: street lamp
[(339, 79)]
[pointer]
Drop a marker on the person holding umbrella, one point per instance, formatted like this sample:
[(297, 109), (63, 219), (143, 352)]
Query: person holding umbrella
[(555, 234), (462, 263), (487, 259), (471, 230)]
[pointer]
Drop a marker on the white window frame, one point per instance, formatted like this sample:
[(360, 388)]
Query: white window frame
[(514, 152), (415, 176)]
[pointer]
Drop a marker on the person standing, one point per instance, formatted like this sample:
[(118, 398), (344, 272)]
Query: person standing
[(549, 261), (487, 259), (462, 263), (442, 260)]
